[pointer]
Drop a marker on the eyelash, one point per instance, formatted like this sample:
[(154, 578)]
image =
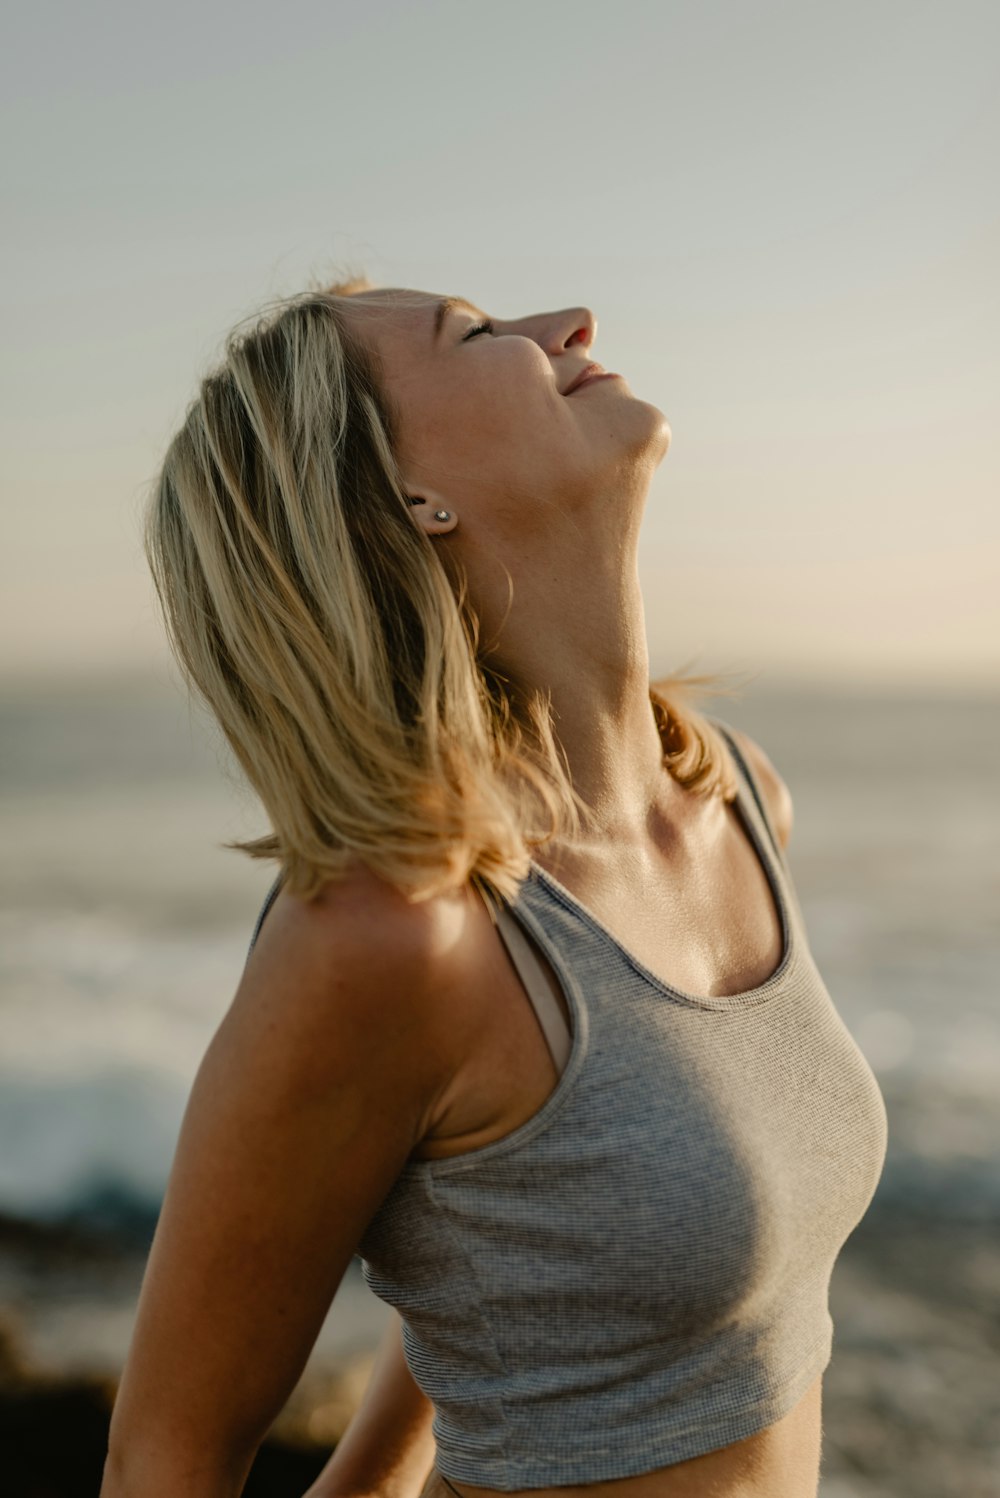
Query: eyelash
[(483, 327)]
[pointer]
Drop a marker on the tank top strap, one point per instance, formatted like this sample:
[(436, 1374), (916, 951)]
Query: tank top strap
[(529, 970), (272, 895), (755, 790)]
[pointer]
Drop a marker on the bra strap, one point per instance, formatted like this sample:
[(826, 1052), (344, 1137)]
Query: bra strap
[(529, 970), (550, 1016)]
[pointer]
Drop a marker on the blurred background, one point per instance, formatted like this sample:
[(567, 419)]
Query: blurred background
[(786, 219)]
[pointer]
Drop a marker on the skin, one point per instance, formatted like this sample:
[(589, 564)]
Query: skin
[(551, 488), (365, 1030)]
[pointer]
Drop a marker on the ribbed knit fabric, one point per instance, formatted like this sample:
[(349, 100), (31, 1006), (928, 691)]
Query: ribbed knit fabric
[(639, 1273)]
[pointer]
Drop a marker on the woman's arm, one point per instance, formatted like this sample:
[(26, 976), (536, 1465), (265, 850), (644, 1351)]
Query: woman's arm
[(322, 1077), (388, 1447)]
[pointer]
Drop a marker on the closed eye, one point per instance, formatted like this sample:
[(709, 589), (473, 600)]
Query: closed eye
[(483, 327)]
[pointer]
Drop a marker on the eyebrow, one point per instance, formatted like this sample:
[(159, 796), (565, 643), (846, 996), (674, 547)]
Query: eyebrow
[(451, 304)]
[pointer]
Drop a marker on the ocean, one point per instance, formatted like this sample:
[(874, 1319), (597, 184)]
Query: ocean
[(124, 928)]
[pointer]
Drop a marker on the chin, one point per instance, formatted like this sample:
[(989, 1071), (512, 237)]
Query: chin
[(659, 428)]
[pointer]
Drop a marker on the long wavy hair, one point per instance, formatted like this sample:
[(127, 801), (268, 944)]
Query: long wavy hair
[(337, 651)]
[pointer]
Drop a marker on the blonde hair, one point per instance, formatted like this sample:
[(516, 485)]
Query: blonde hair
[(320, 626)]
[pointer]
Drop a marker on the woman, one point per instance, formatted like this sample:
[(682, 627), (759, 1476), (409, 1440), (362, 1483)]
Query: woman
[(529, 1020)]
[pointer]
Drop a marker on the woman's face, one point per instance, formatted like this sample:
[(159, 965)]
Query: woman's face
[(486, 428)]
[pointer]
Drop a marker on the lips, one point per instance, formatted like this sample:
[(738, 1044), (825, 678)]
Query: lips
[(585, 373)]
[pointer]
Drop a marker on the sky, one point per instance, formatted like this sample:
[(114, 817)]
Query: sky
[(785, 218)]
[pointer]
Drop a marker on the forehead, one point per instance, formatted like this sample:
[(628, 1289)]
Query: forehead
[(396, 315), (395, 324), (390, 309)]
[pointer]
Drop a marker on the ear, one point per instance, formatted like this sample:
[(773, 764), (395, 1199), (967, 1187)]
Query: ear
[(427, 510)]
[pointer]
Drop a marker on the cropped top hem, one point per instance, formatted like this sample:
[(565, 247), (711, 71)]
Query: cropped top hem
[(644, 1446)]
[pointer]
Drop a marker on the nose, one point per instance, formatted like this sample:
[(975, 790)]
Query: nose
[(555, 332), (583, 324)]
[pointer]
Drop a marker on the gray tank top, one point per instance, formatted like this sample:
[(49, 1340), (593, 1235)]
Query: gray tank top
[(639, 1273)]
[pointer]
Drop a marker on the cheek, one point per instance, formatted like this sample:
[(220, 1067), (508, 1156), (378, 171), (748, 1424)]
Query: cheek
[(514, 403), (480, 416), (499, 418)]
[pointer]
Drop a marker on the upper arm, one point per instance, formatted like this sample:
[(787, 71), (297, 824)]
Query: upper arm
[(777, 796), (309, 1099)]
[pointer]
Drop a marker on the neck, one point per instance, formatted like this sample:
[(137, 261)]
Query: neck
[(590, 655)]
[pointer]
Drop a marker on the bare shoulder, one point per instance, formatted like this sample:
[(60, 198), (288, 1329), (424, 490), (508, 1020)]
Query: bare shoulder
[(323, 1075), (360, 966), (776, 793)]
